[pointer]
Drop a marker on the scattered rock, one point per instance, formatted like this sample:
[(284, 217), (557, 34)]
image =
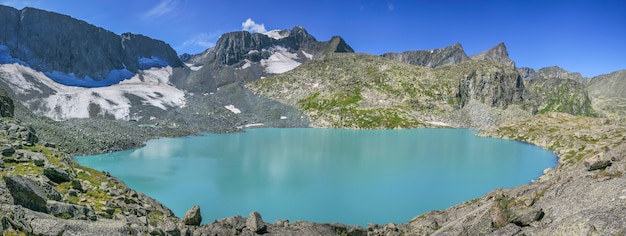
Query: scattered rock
[(7, 150), (193, 216), (596, 162), (527, 216), (51, 192), (255, 223), (70, 211), (57, 175), (26, 192)]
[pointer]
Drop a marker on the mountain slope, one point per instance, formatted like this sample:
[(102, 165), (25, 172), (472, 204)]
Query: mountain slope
[(608, 94), (431, 58), (73, 52), (243, 56), (365, 91)]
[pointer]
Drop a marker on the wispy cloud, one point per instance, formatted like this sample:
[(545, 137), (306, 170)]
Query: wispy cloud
[(162, 9), (250, 25), (199, 42), (390, 6)]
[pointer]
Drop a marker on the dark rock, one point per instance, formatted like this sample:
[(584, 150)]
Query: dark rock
[(255, 223), (77, 185), (51, 192), (597, 163), (525, 217), (26, 192), (193, 216), (492, 84), (7, 150), (431, 58), (6, 105), (70, 211), (57, 174), (48, 42), (497, 54)]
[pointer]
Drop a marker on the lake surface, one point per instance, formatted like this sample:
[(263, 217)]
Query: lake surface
[(324, 175)]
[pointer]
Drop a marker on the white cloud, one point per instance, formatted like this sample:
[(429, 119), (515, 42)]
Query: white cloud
[(390, 6), (164, 7), (250, 25)]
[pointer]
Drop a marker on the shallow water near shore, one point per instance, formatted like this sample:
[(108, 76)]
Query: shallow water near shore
[(324, 175)]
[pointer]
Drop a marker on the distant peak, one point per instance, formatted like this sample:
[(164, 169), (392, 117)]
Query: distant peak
[(497, 54)]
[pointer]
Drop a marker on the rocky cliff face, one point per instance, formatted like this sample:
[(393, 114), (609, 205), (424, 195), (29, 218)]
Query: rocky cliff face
[(73, 52), (608, 93), (558, 95), (497, 54), (550, 72), (431, 58), (244, 56)]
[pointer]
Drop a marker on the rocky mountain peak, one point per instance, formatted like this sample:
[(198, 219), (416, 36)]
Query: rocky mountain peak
[(65, 48), (497, 54), (449, 55)]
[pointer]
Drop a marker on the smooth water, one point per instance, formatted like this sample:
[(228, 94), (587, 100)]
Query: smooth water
[(324, 175)]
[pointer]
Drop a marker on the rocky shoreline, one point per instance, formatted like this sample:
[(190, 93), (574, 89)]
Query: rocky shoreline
[(585, 193)]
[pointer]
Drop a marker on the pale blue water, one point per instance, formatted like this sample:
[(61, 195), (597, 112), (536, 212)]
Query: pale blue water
[(324, 175)]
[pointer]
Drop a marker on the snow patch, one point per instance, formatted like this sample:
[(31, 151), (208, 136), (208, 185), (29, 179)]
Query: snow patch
[(247, 64), (283, 117), (309, 56), (233, 109), (280, 61), (67, 102), (193, 66), (276, 34)]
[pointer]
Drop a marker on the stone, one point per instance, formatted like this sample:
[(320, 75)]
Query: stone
[(70, 211), (597, 162), (51, 192), (26, 192), (7, 150), (57, 174), (527, 216), (255, 223), (77, 185), (193, 216)]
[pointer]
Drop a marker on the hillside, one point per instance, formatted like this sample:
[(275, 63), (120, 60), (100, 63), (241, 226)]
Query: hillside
[(368, 92), (609, 94)]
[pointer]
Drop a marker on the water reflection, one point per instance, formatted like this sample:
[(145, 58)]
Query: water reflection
[(324, 175)]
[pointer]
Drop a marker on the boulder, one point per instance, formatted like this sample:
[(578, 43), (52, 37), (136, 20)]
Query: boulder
[(26, 192), (193, 216), (57, 175), (597, 162), (7, 150), (70, 211), (255, 223), (51, 192), (526, 216)]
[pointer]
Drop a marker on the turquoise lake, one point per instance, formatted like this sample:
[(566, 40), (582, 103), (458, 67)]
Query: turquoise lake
[(324, 175)]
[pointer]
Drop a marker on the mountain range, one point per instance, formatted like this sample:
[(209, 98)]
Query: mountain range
[(69, 86)]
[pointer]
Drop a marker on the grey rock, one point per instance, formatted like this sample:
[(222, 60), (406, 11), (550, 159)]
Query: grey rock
[(7, 107), (558, 95), (77, 185), (497, 54), (26, 192), (70, 211), (57, 174), (431, 58), (193, 216), (510, 229), (527, 216), (69, 45), (255, 223), (51, 192), (7, 150)]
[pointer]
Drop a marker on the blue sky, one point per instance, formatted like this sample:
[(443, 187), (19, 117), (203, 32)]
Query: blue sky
[(581, 36)]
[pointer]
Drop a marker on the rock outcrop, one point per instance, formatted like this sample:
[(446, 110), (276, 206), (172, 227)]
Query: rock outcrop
[(26, 192), (549, 73), (193, 216), (65, 48), (608, 93), (497, 54), (558, 95), (431, 58)]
